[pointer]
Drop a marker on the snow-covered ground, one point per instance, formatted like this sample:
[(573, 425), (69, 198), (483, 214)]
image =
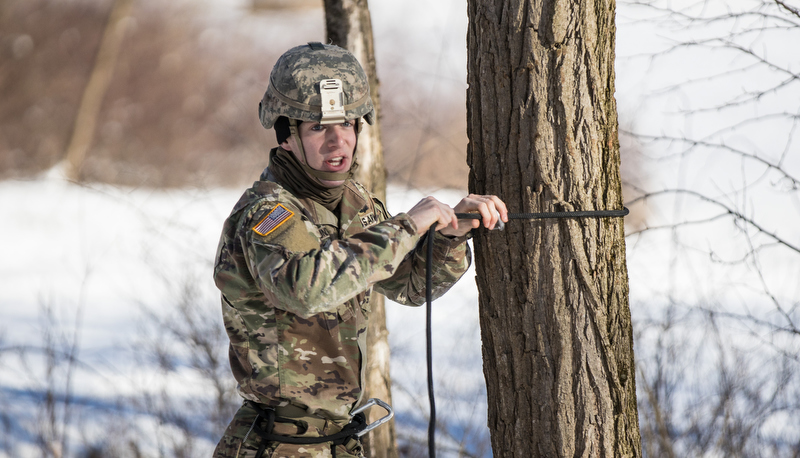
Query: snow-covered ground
[(84, 266), (92, 260)]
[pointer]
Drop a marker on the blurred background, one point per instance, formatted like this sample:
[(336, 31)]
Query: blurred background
[(111, 341), (188, 76)]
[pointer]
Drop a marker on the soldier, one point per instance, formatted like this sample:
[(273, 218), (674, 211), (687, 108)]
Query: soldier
[(300, 254)]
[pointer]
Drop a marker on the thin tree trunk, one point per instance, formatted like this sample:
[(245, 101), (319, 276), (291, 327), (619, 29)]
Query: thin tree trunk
[(555, 319), (95, 91), (349, 26)]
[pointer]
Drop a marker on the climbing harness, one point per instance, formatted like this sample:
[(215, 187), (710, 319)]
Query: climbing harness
[(429, 287), (348, 436)]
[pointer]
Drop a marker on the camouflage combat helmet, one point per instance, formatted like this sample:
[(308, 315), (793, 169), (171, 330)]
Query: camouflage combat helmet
[(317, 83), (304, 74)]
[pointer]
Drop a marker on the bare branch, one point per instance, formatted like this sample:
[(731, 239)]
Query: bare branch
[(700, 21), (791, 328), (745, 97), (769, 64), (698, 222), (791, 9), (692, 143), (728, 210)]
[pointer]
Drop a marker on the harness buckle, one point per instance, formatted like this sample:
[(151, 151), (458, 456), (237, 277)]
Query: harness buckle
[(375, 424)]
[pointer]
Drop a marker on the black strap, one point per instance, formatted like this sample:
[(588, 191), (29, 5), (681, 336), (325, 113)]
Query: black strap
[(270, 417), (356, 425), (428, 339), (550, 215)]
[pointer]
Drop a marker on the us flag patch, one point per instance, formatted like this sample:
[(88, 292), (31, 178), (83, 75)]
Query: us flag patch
[(273, 220)]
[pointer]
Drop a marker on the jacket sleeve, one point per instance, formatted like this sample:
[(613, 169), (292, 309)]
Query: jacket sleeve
[(306, 275), (451, 259)]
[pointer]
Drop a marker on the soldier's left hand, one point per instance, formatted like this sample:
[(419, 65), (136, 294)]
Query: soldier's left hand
[(491, 208)]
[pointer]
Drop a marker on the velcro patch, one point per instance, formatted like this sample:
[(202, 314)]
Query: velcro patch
[(273, 220), (368, 220)]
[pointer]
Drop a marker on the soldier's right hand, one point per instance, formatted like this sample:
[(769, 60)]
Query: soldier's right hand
[(429, 211)]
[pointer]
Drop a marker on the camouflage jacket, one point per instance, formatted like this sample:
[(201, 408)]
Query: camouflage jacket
[(296, 282)]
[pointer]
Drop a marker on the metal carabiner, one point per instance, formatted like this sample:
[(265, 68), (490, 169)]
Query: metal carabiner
[(367, 405)]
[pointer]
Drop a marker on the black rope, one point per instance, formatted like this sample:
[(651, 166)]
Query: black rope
[(428, 300), (429, 294), (550, 215)]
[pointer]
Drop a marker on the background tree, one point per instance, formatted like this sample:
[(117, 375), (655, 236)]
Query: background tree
[(717, 337), (555, 320), (348, 25), (89, 109)]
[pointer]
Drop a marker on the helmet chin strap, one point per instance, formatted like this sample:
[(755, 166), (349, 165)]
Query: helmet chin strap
[(318, 174)]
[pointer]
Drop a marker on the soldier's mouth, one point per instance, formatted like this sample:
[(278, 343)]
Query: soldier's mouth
[(337, 164)]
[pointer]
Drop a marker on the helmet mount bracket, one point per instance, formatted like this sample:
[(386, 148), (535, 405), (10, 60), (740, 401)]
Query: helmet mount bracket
[(332, 96)]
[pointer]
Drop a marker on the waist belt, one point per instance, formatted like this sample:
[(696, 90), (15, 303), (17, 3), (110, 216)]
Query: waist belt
[(348, 435), (299, 418)]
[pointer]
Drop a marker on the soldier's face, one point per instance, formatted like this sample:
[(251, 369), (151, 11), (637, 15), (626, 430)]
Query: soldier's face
[(328, 147)]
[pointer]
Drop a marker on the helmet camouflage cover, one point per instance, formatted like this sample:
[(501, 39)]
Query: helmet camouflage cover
[(303, 74)]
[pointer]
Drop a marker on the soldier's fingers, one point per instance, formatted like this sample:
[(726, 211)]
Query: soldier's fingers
[(486, 208), (428, 212), (500, 206), (448, 217), (470, 204), (445, 216), (496, 209)]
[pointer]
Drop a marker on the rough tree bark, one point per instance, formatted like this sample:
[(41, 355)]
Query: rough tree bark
[(555, 319), (349, 25)]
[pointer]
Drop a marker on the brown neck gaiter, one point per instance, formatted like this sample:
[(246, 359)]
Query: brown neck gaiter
[(290, 174)]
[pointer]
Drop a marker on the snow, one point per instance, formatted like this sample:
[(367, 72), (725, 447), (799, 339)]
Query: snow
[(98, 257), (94, 259), (90, 262)]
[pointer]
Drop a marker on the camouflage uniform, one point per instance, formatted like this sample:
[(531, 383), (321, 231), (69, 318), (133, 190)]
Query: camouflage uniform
[(296, 282)]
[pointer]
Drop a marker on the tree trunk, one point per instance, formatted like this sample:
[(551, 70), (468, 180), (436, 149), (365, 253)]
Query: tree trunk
[(349, 26), (95, 91), (555, 319)]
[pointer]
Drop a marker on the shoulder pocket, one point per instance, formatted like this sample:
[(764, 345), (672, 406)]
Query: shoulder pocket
[(283, 225)]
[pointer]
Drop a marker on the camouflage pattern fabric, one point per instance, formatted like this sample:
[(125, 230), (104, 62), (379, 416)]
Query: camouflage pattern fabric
[(296, 281), (240, 441), (294, 91)]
